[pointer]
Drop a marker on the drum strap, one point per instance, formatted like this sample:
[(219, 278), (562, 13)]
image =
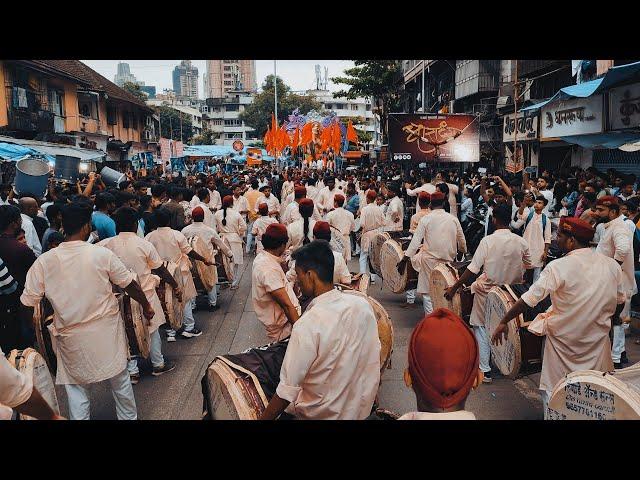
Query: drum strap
[(520, 319)]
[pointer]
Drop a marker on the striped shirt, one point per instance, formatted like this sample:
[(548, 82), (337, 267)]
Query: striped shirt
[(8, 285)]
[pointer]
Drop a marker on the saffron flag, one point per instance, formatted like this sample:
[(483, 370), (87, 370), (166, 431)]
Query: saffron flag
[(307, 134), (296, 139), (352, 136)]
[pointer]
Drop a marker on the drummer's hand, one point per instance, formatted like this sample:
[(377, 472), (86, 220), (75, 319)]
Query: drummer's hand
[(148, 313), (209, 263), (500, 332), (450, 292)]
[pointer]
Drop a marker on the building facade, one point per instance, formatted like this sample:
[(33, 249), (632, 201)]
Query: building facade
[(229, 75), (222, 116), (124, 75), (185, 80)]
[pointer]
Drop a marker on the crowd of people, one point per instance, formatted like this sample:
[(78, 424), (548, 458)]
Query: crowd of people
[(556, 233)]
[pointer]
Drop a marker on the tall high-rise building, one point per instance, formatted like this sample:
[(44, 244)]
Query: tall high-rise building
[(124, 75), (185, 81), (226, 75)]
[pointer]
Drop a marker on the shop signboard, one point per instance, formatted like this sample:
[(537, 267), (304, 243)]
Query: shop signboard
[(624, 107), (575, 116), (527, 128)]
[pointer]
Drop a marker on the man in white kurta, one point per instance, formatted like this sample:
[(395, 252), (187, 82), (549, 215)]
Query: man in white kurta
[(260, 225), (267, 276), (393, 210), (325, 198), (503, 258), (213, 241), (537, 233), (209, 218), (271, 200), (343, 221), (91, 343), (437, 239), (371, 221), (616, 242), (587, 289), (331, 370), (232, 227)]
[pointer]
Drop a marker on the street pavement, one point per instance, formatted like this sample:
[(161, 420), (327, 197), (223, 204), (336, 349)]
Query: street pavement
[(234, 327)]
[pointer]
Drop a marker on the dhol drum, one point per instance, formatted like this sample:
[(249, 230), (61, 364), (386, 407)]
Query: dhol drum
[(224, 266), (173, 309), (135, 326), (444, 276), (385, 327), (42, 318), (522, 350), (593, 395), (361, 283), (375, 249), (204, 276), (239, 387), (390, 255), (30, 363)]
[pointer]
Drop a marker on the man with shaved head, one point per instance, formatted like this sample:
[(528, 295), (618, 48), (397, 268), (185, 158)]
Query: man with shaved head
[(28, 210)]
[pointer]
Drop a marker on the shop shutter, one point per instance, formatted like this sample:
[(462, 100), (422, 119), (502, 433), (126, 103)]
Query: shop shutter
[(625, 162)]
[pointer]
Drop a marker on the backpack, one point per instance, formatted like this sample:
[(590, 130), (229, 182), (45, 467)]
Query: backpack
[(530, 217)]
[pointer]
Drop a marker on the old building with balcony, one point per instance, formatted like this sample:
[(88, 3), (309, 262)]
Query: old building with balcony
[(222, 116)]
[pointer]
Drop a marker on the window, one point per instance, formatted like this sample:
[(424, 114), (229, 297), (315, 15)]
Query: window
[(56, 102), (125, 119), (227, 75), (230, 136), (232, 108), (227, 68), (228, 83), (340, 106), (112, 116), (232, 123), (368, 107), (329, 106), (354, 106)]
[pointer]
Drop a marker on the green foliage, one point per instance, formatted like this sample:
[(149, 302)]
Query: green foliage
[(134, 89), (208, 137), (170, 122), (379, 80), (258, 114)]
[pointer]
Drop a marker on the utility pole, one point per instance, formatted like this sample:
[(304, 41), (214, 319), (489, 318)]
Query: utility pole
[(423, 110), (515, 112), (275, 89)]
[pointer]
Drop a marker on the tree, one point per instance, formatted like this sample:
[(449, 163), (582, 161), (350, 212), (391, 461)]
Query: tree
[(134, 89), (258, 114), (208, 137), (379, 80), (170, 124)]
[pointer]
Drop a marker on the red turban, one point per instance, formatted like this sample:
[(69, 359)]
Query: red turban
[(263, 209), (227, 201), (339, 199), (435, 196), (443, 359), (299, 192), (607, 200), (575, 227), (424, 196), (276, 232), (322, 228), (371, 194), (305, 207), (197, 214)]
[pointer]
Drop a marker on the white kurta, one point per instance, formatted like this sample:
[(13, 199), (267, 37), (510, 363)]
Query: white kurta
[(440, 235), (535, 238), (617, 242), (325, 198), (296, 233), (211, 239), (91, 343), (292, 213), (343, 221), (371, 221), (140, 256), (233, 232), (209, 219), (460, 415), (585, 288), (267, 276), (504, 256), (394, 215), (259, 227), (426, 187), (241, 204), (172, 246), (332, 366), (341, 273), (31, 235), (416, 217), (15, 388), (271, 201)]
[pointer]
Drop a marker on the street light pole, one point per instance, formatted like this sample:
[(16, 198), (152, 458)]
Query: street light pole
[(275, 89)]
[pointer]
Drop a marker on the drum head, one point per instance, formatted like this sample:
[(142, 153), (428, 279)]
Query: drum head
[(508, 355), (375, 250), (42, 318), (173, 309), (206, 273), (592, 395), (232, 394), (363, 283), (385, 328), (30, 363), (390, 254), (140, 331), (440, 279)]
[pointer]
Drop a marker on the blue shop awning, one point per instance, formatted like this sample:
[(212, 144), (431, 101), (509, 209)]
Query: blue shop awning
[(607, 140), (615, 76)]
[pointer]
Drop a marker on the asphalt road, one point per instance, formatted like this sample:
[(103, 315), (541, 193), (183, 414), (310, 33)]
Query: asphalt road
[(234, 327)]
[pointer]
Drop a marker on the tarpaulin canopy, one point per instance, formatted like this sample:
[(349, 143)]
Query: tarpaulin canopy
[(220, 151), (604, 140), (50, 150), (615, 76), (14, 152)]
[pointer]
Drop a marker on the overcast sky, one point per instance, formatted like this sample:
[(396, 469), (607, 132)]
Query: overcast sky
[(298, 74)]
